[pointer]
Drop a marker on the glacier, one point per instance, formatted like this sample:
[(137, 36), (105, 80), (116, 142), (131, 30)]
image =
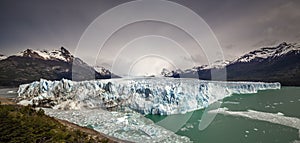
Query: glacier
[(163, 96), (116, 107)]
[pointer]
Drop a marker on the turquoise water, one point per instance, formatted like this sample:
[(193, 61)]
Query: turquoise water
[(236, 129)]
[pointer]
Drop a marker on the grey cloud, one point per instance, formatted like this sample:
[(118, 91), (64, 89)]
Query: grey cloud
[(239, 25), (230, 46), (266, 42)]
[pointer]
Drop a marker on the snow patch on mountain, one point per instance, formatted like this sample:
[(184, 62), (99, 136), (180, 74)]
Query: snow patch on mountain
[(215, 65), (166, 72), (2, 57)]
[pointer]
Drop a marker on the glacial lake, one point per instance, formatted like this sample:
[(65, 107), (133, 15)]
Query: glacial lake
[(267, 116)]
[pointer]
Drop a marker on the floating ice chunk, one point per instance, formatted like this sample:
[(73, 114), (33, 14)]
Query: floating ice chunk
[(184, 129), (25, 102), (122, 119), (231, 102), (189, 126), (281, 114), (10, 92), (264, 116)]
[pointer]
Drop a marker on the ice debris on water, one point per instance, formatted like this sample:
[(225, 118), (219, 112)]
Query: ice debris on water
[(130, 126)]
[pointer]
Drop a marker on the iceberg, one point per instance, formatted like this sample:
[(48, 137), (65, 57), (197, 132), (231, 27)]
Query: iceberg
[(163, 96)]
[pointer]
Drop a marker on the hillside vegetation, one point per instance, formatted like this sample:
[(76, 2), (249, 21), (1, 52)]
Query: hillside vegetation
[(24, 124)]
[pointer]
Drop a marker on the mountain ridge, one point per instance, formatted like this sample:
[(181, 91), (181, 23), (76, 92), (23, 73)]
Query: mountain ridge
[(269, 52), (269, 64), (30, 65)]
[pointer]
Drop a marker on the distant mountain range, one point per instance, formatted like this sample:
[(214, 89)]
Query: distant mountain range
[(31, 65), (269, 64)]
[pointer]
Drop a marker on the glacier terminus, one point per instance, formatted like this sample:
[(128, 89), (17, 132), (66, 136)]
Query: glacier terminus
[(116, 107), (164, 96)]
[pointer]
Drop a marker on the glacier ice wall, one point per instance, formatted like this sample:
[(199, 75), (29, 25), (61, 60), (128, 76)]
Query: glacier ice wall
[(162, 96)]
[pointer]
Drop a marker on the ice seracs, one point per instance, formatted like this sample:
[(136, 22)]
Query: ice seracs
[(162, 96)]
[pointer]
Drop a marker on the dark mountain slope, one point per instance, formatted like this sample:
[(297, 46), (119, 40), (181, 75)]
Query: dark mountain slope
[(31, 65), (269, 64)]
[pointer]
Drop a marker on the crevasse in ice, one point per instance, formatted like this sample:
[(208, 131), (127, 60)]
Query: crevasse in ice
[(162, 96)]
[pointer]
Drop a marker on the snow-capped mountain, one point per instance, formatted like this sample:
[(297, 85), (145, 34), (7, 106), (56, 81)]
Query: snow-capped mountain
[(62, 54), (279, 63), (30, 65), (269, 52), (165, 72), (217, 65), (102, 70)]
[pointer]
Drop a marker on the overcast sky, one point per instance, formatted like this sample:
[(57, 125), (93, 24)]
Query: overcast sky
[(239, 25)]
